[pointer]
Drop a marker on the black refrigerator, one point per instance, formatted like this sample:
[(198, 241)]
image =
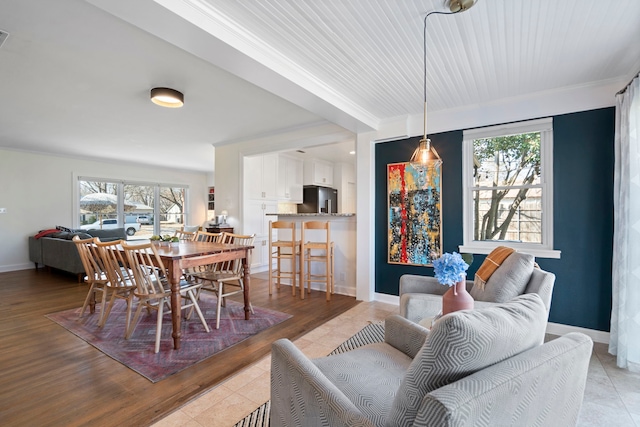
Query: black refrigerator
[(317, 199)]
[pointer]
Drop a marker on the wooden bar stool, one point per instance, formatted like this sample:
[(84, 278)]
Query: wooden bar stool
[(318, 252), (283, 249)]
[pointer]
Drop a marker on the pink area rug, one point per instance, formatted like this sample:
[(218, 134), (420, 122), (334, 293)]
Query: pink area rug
[(196, 345)]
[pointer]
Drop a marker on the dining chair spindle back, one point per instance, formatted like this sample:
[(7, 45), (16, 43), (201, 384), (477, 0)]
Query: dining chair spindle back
[(185, 235), (228, 273), (95, 276), (120, 284), (153, 289)]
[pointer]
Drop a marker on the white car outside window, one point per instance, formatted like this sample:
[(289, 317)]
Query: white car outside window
[(130, 227)]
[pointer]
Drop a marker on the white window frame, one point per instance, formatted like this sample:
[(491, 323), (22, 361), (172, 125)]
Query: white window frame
[(545, 127), (121, 183)]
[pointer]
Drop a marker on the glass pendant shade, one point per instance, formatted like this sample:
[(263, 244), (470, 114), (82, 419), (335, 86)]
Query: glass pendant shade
[(459, 5), (425, 155)]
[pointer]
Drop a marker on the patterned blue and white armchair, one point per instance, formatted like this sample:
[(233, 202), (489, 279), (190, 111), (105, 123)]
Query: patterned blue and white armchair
[(485, 367)]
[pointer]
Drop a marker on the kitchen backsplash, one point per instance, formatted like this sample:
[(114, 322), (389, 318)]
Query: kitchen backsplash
[(287, 208)]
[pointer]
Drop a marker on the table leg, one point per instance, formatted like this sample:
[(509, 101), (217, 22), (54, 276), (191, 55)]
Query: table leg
[(92, 302), (245, 279), (174, 277)]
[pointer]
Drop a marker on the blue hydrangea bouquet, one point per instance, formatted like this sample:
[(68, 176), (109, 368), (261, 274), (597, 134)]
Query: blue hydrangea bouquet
[(450, 268)]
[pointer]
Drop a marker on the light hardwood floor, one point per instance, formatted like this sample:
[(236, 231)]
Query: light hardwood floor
[(49, 377)]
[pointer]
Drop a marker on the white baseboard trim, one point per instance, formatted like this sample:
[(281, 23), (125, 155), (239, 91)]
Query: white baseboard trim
[(16, 267), (349, 291), (260, 269), (560, 329), (387, 299), (552, 328), (340, 288)]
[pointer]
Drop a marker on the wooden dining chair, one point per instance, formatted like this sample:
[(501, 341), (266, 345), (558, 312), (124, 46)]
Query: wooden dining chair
[(184, 235), (153, 290), (95, 275), (121, 284), (226, 274), (203, 236)]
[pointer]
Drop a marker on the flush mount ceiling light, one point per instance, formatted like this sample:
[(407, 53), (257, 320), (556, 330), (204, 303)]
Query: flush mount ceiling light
[(167, 97), (425, 155)]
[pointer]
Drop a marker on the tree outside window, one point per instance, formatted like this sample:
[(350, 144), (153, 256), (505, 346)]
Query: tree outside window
[(508, 188)]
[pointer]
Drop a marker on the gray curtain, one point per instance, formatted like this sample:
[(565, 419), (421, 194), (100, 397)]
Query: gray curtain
[(625, 316)]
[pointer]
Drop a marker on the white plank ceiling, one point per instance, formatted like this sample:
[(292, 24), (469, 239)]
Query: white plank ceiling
[(371, 51), (255, 67)]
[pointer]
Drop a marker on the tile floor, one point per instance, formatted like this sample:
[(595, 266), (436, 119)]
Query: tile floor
[(612, 396)]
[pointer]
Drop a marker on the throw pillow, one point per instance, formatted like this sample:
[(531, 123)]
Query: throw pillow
[(508, 281), (61, 228), (464, 342), (48, 232), (191, 228)]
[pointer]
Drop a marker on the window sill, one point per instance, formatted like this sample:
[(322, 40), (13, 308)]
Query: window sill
[(536, 252)]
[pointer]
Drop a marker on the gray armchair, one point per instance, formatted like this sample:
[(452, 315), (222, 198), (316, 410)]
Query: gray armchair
[(421, 296), (483, 367)]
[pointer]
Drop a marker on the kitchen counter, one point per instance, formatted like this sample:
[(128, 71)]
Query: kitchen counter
[(343, 234), (313, 214)]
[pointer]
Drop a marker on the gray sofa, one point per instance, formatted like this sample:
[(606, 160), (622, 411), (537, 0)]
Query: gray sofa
[(484, 367), (59, 252), (421, 296)]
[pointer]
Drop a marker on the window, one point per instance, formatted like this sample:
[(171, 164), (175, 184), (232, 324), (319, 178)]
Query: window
[(146, 208), (508, 188)]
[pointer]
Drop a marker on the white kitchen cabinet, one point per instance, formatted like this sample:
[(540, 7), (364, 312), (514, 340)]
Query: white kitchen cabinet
[(260, 253), (255, 221), (259, 198), (318, 172), (290, 179), (260, 177)]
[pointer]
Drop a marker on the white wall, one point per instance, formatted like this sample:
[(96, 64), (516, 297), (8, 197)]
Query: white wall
[(37, 191), (344, 180), (228, 171)]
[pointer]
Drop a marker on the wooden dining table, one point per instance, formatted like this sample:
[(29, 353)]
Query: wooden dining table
[(194, 254)]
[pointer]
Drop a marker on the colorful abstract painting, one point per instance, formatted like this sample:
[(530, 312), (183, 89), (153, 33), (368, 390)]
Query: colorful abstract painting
[(414, 218)]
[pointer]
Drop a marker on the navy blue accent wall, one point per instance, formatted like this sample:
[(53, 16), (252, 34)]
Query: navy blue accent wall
[(583, 158), (583, 214)]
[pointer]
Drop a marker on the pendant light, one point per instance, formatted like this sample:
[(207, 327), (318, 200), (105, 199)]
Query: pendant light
[(425, 155)]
